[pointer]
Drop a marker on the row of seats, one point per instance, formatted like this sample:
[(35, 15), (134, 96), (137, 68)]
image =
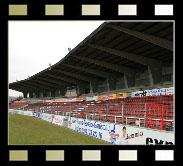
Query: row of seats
[(19, 104), (117, 110)]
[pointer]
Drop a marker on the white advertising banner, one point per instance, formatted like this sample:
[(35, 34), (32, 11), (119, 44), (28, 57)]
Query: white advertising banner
[(153, 92), (74, 99), (69, 99), (94, 98), (137, 94), (12, 111), (28, 113), (20, 112), (16, 111), (59, 120), (47, 117), (170, 91), (107, 97), (120, 134), (48, 101)]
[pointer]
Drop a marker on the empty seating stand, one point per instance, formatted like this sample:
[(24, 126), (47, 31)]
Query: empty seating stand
[(125, 110), (17, 105), (137, 102)]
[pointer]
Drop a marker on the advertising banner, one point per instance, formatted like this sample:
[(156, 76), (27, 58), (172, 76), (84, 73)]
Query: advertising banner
[(156, 92), (153, 92), (120, 134), (107, 97), (78, 99), (28, 113), (170, 91), (15, 111), (47, 117), (120, 95), (70, 100), (37, 114), (11, 111), (73, 99), (99, 98), (58, 120), (94, 98), (92, 128), (20, 112), (115, 96), (49, 101), (34, 114)]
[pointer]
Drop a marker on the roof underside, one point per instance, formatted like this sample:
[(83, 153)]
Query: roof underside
[(92, 59)]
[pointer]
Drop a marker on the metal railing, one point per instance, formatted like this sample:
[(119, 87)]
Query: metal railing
[(122, 113)]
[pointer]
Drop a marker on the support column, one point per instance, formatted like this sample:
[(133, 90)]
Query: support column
[(57, 93), (62, 91), (172, 77), (93, 87), (45, 94), (34, 94), (129, 80), (111, 83), (155, 74), (48, 93), (81, 90), (52, 93), (25, 94), (37, 94), (41, 95), (31, 94)]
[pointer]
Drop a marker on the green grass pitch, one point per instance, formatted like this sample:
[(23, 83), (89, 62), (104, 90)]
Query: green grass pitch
[(26, 130)]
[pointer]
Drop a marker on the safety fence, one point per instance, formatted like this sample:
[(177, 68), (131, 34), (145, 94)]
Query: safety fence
[(147, 115), (154, 116)]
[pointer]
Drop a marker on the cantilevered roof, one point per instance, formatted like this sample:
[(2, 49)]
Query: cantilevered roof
[(112, 50)]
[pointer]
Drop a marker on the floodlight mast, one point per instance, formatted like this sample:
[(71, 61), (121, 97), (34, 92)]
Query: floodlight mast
[(69, 49), (50, 66)]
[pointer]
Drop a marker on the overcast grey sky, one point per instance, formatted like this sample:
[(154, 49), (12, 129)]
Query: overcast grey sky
[(35, 44)]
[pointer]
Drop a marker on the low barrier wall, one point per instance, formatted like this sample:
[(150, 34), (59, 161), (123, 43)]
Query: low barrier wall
[(28, 113), (47, 117), (121, 134)]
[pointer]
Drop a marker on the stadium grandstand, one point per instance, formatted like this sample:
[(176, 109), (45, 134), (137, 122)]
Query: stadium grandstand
[(121, 73)]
